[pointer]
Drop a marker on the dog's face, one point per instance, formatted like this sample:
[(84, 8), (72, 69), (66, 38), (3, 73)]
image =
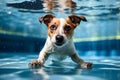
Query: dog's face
[(60, 30)]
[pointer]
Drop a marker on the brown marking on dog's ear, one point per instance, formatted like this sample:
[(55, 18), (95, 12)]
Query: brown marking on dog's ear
[(83, 18), (46, 19), (76, 19)]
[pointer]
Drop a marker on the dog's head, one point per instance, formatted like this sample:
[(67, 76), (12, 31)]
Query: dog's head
[(60, 30)]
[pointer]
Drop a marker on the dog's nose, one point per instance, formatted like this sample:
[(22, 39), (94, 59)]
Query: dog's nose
[(59, 39)]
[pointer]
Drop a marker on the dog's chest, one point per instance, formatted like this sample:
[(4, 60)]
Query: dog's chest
[(60, 53), (58, 57)]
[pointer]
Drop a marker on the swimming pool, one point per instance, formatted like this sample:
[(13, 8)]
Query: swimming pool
[(97, 41), (15, 66)]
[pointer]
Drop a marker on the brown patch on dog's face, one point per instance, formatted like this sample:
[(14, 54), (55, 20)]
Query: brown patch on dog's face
[(60, 26), (53, 27), (60, 30), (68, 30)]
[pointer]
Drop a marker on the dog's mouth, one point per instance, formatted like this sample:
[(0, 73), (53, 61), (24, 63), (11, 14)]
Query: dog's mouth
[(59, 44)]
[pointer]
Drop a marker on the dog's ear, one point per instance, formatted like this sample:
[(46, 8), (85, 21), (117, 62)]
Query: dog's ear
[(46, 19), (76, 19)]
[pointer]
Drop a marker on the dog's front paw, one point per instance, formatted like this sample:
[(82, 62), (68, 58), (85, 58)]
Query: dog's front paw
[(86, 65), (35, 64)]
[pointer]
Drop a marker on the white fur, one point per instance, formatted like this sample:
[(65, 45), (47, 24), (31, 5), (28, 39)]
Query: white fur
[(62, 23), (60, 52), (60, 32)]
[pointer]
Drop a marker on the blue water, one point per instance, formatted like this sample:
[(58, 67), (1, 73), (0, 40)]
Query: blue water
[(15, 66), (20, 17), (103, 17)]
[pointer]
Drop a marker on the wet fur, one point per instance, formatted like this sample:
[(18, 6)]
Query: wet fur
[(67, 48)]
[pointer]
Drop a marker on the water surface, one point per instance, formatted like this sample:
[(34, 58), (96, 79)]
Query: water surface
[(15, 66)]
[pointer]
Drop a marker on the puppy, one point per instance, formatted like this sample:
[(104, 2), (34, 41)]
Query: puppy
[(59, 41)]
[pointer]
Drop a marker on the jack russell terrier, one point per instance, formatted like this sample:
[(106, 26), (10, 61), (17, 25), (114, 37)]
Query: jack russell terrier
[(59, 41)]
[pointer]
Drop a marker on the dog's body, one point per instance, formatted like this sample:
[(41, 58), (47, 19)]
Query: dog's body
[(59, 41), (60, 53)]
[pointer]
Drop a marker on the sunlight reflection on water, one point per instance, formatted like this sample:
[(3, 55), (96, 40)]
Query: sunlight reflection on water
[(105, 68)]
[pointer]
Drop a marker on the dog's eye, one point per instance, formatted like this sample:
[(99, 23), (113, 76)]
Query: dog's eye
[(53, 27), (67, 28)]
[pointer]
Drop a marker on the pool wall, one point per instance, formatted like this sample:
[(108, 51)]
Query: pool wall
[(14, 43)]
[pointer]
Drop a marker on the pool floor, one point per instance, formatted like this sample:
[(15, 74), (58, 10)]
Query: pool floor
[(14, 66)]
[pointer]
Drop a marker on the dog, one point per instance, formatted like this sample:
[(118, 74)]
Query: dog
[(59, 41)]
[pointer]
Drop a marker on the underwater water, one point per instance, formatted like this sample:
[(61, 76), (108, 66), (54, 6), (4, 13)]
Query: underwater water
[(15, 66), (20, 17), (97, 40)]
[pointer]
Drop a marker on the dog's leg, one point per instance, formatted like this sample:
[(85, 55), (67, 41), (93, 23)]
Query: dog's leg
[(40, 61), (79, 61)]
